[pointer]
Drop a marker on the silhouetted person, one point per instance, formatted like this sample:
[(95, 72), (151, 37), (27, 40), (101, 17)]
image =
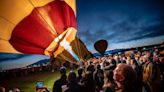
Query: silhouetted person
[(60, 82), (88, 83), (91, 68), (99, 78), (73, 86), (80, 72)]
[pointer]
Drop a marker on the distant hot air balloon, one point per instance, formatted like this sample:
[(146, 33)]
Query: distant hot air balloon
[(37, 26), (101, 46)]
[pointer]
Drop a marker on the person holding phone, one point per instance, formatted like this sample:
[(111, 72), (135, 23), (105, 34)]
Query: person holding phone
[(40, 87)]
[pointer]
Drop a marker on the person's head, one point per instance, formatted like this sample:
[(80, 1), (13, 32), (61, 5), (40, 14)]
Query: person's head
[(123, 58), (136, 58), (80, 71), (124, 74), (145, 58), (63, 77), (116, 57), (161, 59), (98, 66), (91, 68), (113, 62), (132, 62), (16, 90), (88, 77), (72, 77), (63, 70), (128, 58)]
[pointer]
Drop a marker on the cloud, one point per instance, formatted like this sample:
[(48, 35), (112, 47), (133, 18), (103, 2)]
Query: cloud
[(146, 30), (119, 21)]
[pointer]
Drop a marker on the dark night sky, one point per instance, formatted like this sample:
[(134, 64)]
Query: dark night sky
[(124, 23)]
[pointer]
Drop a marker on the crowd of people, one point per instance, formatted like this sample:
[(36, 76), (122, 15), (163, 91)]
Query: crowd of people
[(140, 71), (131, 71)]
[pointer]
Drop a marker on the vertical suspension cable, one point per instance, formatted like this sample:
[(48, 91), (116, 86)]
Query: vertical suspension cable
[(79, 47)]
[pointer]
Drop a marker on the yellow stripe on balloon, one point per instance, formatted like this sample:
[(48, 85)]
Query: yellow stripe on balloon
[(54, 43), (70, 36)]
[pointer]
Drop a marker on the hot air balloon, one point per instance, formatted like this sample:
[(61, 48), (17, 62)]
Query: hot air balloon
[(101, 46), (36, 27), (43, 26), (46, 27)]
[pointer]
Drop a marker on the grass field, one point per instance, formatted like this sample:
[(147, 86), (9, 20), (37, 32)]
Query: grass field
[(27, 83)]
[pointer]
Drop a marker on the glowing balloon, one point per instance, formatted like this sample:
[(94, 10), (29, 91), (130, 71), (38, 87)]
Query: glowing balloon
[(36, 26)]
